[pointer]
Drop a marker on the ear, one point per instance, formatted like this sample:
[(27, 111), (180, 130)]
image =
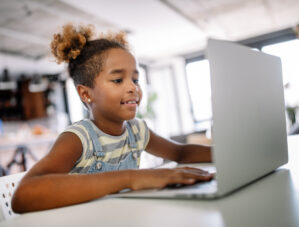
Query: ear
[(84, 93)]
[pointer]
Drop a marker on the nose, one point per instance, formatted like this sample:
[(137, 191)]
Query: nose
[(132, 87)]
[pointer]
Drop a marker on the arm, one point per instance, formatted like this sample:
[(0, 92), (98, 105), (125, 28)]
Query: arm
[(181, 153), (48, 185)]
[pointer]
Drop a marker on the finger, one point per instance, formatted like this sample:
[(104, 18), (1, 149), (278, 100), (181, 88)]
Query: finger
[(193, 169), (181, 181), (189, 177), (200, 176), (206, 177), (197, 172)]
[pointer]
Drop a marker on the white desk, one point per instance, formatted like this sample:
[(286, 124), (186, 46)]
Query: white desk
[(272, 201)]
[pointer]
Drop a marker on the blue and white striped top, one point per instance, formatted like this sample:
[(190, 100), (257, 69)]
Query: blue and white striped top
[(115, 148)]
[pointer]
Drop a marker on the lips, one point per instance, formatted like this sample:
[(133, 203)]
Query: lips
[(131, 101)]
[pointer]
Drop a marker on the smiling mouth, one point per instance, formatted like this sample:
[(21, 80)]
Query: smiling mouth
[(129, 102)]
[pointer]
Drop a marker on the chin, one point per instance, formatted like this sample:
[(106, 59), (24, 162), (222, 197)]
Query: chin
[(129, 116)]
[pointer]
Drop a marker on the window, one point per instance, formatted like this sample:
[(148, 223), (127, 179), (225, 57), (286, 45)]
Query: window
[(283, 45), (198, 79), (289, 53)]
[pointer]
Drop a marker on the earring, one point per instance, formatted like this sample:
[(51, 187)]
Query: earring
[(88, 100)]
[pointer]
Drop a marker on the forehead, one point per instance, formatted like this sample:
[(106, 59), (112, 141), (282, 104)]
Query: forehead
[(119, 58)]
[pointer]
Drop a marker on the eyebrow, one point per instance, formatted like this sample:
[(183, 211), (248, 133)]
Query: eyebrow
[(117, 71)]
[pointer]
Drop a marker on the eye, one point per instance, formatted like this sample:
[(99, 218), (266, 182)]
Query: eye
[(117, 81), (136, 81)]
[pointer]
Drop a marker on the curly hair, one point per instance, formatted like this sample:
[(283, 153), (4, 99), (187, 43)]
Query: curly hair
[(85, 57)]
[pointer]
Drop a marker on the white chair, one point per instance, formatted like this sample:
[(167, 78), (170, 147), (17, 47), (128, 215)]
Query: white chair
[(8, 185)]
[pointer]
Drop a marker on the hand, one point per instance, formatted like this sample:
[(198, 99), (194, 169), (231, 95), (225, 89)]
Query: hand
[(160, 178)]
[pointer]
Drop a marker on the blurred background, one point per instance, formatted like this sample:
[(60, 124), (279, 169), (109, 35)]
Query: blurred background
[(38, 99)]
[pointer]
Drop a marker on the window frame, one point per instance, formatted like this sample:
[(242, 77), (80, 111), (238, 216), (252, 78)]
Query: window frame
[(257, 42)]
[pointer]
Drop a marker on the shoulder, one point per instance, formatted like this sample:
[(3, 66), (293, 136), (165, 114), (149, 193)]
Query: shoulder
[(79, 129), (77, 125), (62, 156)]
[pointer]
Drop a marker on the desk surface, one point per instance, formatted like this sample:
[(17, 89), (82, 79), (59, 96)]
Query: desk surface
[(271, 201)]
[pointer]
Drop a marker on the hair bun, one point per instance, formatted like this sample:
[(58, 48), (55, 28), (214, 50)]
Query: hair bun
[(69, 44), (120, 37)]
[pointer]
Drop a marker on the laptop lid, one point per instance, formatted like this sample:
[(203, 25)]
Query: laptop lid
[(249, 125)]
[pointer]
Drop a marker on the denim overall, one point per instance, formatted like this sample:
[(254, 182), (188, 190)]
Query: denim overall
[(129, 162)]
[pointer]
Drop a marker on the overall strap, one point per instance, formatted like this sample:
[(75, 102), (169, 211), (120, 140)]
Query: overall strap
[(132, 141), (95, 141)]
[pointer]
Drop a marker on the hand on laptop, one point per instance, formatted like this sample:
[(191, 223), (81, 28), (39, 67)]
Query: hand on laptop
[(160, 178)]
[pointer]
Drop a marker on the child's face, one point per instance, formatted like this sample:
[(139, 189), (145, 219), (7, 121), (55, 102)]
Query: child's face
[(116, 93)]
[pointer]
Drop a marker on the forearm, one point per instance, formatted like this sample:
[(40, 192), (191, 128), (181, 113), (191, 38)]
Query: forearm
[(182, 153), (56, 190), (192, 153)]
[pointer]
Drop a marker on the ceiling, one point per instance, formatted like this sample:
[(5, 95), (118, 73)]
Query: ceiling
[(156, 28)]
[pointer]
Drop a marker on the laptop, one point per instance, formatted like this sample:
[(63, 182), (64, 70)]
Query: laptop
[(249, 125)]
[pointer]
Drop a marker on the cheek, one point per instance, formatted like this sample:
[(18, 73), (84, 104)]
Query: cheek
[(111, 98), (102, 98)]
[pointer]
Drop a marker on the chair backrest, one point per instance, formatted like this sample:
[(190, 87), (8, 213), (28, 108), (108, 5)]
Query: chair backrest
[(8, 185)]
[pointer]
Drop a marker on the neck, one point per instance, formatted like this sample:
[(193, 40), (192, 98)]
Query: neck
[(112, 128)]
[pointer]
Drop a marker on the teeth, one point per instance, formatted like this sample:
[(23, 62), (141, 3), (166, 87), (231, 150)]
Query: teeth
[(130, 102)]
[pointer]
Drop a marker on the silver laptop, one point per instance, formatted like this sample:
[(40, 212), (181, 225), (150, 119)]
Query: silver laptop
[(249, 127)]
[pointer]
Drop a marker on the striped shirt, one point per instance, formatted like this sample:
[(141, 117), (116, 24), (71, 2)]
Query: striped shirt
[(116, 148)]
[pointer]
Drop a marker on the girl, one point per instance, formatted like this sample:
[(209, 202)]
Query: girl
[(99, 156)]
